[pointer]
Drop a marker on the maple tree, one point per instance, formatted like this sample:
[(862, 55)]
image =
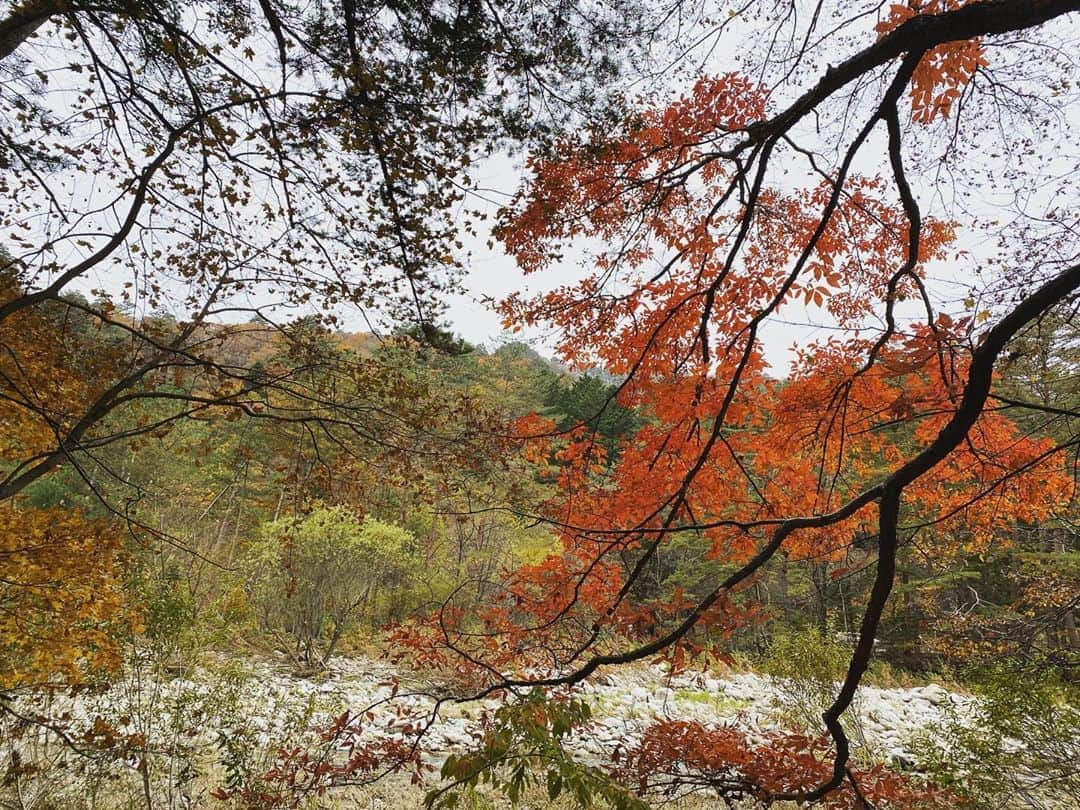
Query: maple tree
[(718, 214)]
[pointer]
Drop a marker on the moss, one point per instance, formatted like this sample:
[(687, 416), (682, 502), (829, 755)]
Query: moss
[(720, 703)]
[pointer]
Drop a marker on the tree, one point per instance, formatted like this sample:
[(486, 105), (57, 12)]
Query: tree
[(62, 609), (588, 401), (768, 189), (182, 178), (225, 161)]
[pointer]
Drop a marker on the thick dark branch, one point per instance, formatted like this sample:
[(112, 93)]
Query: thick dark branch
[(782, 532), (919, 34), (976, 392), (981, 372), (22, 22)]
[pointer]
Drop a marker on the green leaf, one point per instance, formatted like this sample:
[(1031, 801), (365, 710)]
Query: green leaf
[(554, 785)]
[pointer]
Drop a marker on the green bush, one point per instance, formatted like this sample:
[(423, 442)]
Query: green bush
[(806, 669), (313, 577), (523, 749), (1019, 739)]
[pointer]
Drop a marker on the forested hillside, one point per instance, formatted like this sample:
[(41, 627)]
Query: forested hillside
[(766, 496), (276, 524)]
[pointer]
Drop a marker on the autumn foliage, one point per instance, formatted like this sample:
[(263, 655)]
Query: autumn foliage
[(726, 451), (647, 524), (63, 611), (945, 71), (677, 757), (854, 456)]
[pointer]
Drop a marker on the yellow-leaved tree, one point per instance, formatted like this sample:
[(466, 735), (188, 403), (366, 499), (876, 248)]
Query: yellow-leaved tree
[(61, 601)]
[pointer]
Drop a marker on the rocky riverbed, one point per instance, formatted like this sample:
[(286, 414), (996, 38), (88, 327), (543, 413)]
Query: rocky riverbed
[(243, 714)]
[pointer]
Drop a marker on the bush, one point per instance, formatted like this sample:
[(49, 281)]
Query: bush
[(806, 669), (1021, 738), (313, 577)]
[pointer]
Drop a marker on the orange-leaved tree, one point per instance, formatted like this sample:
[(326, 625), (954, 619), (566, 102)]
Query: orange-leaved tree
[(62, 614), (771, 193)]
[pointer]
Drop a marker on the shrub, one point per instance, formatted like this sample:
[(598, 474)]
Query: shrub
[(806, 669), (314, 576), (1021, 738)]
